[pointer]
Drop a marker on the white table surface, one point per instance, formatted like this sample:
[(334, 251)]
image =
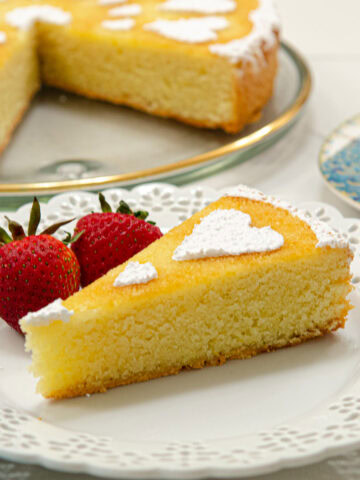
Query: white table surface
[(327, 32)]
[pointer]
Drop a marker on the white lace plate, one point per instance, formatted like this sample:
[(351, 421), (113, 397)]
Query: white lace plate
[(290, 407)]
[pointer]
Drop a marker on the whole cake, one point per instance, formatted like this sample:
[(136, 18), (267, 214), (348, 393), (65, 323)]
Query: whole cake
[(209, 63), (247, 274)]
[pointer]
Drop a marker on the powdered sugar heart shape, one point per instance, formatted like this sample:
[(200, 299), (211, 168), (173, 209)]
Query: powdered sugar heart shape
[(190, 30), (224, 233)]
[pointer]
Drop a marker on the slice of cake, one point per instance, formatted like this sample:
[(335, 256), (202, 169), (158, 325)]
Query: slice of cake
[(248, 274), (209, 64)]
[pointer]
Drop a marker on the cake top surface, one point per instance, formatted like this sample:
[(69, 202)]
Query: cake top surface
[(281, 236), (242, 233), (326, 236), (209, 25)]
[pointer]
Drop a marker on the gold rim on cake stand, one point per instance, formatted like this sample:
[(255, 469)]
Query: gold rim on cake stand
[(286, 119)]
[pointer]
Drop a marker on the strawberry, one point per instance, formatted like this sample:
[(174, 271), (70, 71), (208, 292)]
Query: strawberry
[(35, 269), (110, 238)]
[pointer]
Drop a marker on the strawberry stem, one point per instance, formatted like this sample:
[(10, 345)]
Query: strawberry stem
[(35, 217), (16, 229), (105, 207)]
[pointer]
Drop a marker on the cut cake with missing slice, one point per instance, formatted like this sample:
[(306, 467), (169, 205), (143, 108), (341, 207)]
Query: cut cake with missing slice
[(208, 64), (247, 274)]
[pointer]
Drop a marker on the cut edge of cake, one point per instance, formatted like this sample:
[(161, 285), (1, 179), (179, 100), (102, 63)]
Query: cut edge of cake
[(19, 82)]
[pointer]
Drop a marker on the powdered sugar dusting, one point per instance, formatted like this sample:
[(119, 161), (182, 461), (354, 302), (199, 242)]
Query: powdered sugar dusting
[(327, 237), (208, 7), (120, 25), (190, 30), (3, 37), (49, 314), (136, 273), (227, 232), (126, 10), (249, 48), (25, 17)]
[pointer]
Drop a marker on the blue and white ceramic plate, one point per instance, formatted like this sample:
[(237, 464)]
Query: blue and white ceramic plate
[(339, 161)]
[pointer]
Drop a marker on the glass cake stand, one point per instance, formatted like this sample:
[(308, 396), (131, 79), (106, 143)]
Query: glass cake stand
[(69, 142)]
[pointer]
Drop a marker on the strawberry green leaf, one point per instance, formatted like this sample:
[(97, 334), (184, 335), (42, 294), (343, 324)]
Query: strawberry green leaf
[(124, 208), (77, 236), (68, 240), (105, 207), (16, 229), (4, 237), (35, 217), (141, 214), (53, 228)]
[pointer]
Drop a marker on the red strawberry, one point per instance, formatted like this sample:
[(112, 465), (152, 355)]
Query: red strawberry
[(109, 238), (35, 269)]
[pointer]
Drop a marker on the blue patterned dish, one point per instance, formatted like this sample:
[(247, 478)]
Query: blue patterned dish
[(339, 161)]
